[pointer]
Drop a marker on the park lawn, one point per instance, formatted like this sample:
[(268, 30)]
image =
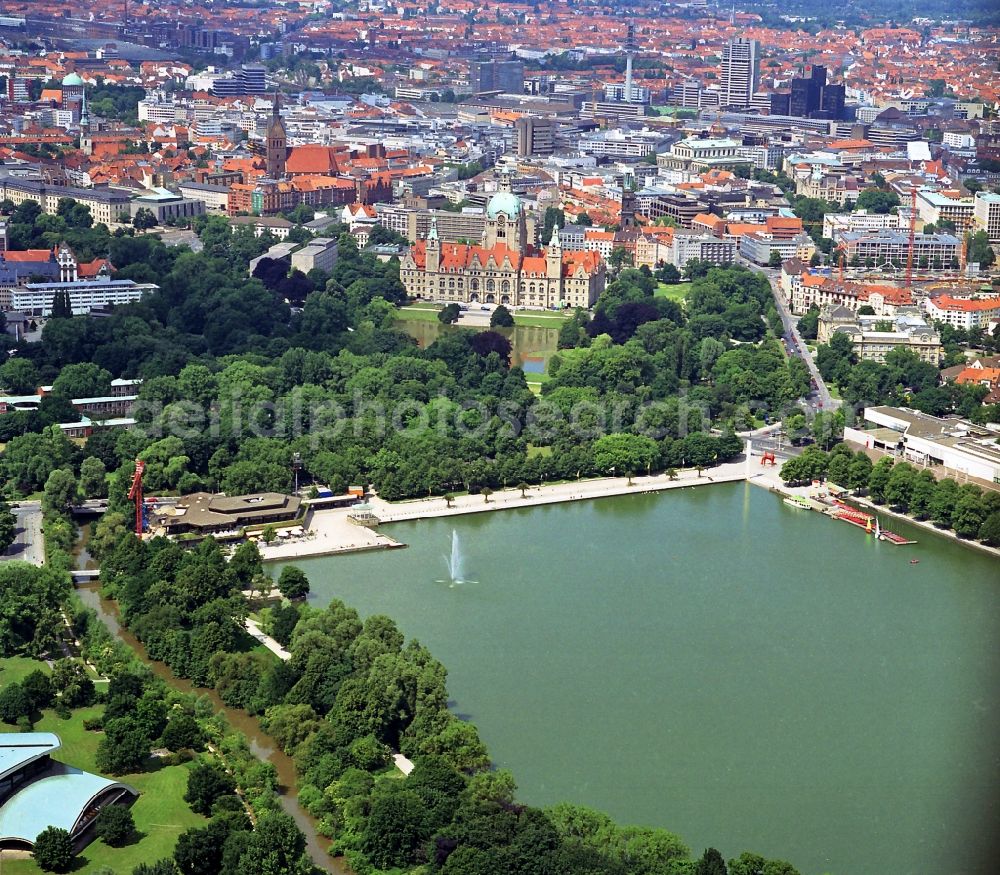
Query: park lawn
[(672, 291), (17, 668), (160, 813), (533, 451), (417, 314)]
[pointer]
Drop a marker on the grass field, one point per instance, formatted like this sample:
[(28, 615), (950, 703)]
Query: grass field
[(674, 291), (160, 813), (16, 668), (418, 313)]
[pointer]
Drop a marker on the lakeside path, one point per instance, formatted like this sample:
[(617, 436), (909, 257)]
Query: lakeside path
[(577, 490), (330, 532)]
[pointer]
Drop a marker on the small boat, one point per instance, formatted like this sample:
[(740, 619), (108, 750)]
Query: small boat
[(914, 561), (796, 502)]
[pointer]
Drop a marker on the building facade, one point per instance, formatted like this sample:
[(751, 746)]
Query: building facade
[(739, 72), (504, 268)]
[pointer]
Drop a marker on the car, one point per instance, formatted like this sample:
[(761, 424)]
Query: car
[(484, 307)]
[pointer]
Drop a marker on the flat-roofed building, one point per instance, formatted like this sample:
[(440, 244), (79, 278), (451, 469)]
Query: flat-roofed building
[(84, 295), (986, 214), (935, 207), (318, 254), (930, 251), (957, 445)]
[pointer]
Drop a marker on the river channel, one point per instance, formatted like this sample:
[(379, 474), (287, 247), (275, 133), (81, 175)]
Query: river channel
[(262, 745)]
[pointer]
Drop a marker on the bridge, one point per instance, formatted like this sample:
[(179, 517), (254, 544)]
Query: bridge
[(91, 507), (84, 575)]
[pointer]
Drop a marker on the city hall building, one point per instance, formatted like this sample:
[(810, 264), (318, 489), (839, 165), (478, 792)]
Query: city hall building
[(504, 268)]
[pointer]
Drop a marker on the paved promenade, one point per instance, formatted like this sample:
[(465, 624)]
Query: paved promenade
[(507, 499)]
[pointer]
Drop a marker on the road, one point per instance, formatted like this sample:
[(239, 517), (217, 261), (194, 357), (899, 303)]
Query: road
[(821, 397), (28, 545)]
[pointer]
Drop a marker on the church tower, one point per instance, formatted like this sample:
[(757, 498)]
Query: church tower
[(277, 139)]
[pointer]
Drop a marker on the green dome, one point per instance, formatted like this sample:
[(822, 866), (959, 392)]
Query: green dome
[(503, 202), (72, 80)]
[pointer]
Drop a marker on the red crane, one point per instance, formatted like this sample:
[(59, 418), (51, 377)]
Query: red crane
[(913, 231), (135, 494)]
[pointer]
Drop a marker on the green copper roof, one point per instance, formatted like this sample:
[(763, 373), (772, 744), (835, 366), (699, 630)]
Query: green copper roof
[(503, 202), (73, 80)]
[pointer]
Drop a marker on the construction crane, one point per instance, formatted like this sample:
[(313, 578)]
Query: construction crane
[(913, 233), (135, 494), (840, 249)]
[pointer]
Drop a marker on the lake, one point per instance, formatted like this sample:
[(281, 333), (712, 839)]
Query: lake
[(708, 660), (531, 346)]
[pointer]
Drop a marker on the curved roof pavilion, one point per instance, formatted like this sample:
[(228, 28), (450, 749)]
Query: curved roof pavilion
[(37, 792)]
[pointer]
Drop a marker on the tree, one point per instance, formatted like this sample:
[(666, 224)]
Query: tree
[(53, 850), (114, 825), (8, 527), (30, 601), (620, 257), (876, 201), (879, 479), (160, 867), (774, 259), (989, 531), (396, 824), (859, 472), (93, 478), (182, 732), (62, 308), (711, 863), (82, 380), (144, 219), (501, 318), (60, 490), (19, 376), (14, 704), (293, 583), (980, 250), (486, 492), (624, 453), (124, 748), (206, 783), (970, 512), (38, 689), (449, 314), (899, 486), (942, 504), (276, 847)]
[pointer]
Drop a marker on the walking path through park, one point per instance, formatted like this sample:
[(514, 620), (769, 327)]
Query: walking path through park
[(253, 627)]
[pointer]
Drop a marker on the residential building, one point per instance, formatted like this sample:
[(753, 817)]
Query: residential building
[(504, 268), (275, 225), (835, 224), (497, 74), (758, 247), (249, 79), (691, 244), (963, 313), (739, 72)]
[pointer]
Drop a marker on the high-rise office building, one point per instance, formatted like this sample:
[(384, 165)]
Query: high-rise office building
[(534, 136), (739, 72), (497, 74), (247, 80), (832, 101)]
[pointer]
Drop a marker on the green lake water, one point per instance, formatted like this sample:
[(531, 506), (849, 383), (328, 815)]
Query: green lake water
[(531, 346), (711, 661)]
